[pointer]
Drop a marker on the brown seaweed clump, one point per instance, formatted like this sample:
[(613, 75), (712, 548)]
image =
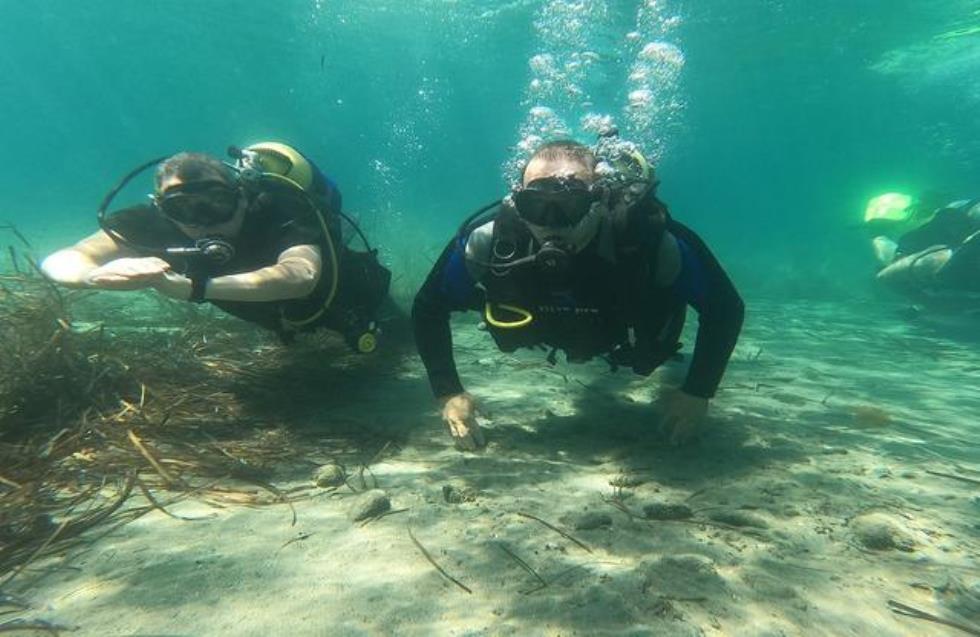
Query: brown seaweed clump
[(870, 416), (100, 423)]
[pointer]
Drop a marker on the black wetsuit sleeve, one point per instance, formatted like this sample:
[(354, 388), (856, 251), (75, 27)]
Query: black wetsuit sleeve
[(948, 227), (720, 316), (430, 320)]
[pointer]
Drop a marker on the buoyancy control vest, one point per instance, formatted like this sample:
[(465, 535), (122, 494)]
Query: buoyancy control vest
[(605, 303)]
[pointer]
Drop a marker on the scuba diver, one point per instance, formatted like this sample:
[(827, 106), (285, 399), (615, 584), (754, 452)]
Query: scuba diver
[(926, 249), (584, 258), (259, 238)]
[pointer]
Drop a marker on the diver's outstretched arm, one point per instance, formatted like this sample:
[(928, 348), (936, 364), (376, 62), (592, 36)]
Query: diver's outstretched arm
[(88, 264), (430, 319), (705, 286), (916, 272), (433, 337), (294, 276)]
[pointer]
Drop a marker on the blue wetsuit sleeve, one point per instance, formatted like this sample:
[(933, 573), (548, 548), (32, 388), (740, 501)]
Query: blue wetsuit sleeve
[(704, 285), (690, 285), (456, 284), (449, 287)]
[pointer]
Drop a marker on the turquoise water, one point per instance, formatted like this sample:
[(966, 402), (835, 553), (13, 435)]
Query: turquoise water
[(772, 122)]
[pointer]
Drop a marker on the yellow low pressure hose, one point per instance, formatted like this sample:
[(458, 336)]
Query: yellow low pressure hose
[(328, 239), (526, 317)]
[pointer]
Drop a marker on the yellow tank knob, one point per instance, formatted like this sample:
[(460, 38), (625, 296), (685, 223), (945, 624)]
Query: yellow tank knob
[(367, 343)]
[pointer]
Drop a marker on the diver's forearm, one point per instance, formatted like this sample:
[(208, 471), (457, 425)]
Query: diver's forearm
[(431, 311), (718, 331), (436, 350), (69, 268), (434, 340), (274, 283)]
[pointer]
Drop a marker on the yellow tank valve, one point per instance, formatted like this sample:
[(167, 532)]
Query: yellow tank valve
[(367, 343)]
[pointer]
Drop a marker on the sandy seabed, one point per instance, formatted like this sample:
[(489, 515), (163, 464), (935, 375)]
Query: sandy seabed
[(839, 473)]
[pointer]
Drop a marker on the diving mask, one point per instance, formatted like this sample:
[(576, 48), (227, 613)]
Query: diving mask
[(203, 203), (555, 202)]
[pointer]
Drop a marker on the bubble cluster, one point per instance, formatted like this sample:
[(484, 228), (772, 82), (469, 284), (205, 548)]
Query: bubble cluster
[(654, 101), (567, 73), (540, 125), (597, 123), (569, 24), (560, 74)]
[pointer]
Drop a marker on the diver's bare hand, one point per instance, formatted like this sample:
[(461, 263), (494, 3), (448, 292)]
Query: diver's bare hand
[(176, 286), (128, 273), (684, 416), (459, 414)]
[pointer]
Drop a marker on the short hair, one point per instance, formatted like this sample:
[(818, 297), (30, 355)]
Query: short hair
[(193, 167), (564, 149)]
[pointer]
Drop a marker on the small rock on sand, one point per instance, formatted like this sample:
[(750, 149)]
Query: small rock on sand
[(458, 494), (329, 475), (738, 518), (368, 505), (587, 520), (667, 511), (878, 532), (688, 576), (962, 597)]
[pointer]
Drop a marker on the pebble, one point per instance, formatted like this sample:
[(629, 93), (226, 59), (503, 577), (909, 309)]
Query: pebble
[(368, 505), (626, 481), (453, 494), (683, 576), (667, 511), (587, 520), (878, 532), (329, 475), (962, 597), (738, 518)]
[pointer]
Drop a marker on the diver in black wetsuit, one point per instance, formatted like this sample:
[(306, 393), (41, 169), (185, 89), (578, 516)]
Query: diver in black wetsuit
[(260, 239), (941, 256), (583, 258)]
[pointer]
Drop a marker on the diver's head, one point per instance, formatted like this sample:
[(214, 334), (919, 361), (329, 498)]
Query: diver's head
[(200, 194), (557, 199)]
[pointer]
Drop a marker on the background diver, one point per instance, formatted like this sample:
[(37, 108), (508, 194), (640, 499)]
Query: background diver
[(581, 257), (259, 238), (925, 249)]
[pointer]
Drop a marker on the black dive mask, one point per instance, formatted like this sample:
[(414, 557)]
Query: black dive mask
[(555, 202), (199, 204)]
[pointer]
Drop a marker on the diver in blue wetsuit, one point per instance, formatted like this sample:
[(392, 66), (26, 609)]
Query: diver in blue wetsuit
[(583, 258)]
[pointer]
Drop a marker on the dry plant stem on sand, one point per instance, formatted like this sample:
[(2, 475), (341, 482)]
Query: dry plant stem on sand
[(953, 477), (909, 611), (32, 625), (556, 530), (524, 565), (435, 564)]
